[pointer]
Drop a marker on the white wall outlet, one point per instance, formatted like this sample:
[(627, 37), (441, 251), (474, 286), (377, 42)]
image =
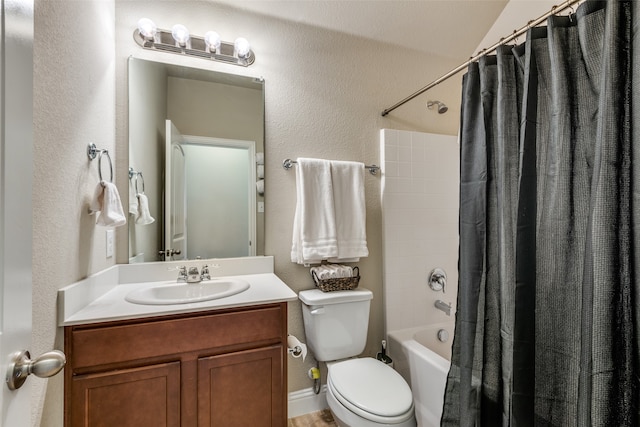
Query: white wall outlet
[(109, 240), (260, 206)]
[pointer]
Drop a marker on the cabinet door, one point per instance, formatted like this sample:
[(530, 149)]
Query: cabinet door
[(242, 389), (137, 397)]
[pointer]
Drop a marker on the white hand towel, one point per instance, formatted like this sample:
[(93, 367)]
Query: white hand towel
[(133, 199), (314, 227), (344, 271), (350, 210), (106, 203), (144, 216), (332, 271)]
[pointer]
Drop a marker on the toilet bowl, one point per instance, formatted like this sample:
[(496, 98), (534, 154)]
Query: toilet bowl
[(366, 393)]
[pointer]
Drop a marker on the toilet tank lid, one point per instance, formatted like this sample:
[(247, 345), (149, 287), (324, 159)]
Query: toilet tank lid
[(317, 297)]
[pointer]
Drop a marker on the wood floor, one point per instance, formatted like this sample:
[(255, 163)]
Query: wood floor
[(314, 419)]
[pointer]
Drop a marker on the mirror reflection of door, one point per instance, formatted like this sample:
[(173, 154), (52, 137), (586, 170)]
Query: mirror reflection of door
[(212, 179), (175, 197)]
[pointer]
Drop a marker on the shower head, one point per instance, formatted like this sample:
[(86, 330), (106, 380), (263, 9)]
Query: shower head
[(442, 108)]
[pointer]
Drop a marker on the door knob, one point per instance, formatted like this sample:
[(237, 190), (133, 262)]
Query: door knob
[(44, 366)]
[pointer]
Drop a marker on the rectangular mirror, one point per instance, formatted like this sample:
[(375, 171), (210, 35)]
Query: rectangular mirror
[(196, 138)]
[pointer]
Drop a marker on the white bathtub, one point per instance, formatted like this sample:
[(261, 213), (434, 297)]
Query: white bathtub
[(424, 362)]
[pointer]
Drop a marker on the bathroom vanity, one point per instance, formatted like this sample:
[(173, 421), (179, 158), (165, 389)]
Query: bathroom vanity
[(219, 362)]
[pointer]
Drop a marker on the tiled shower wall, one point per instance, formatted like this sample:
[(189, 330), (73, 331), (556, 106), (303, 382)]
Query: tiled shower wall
[(420, 224)]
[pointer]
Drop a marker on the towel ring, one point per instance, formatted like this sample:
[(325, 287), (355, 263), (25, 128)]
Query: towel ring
[(92, 152), (139, 175)]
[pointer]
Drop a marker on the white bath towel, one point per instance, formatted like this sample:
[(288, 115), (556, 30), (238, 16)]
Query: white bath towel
[(144, 216), (350, 210), (314, 227), (106, 204), (133, 198)]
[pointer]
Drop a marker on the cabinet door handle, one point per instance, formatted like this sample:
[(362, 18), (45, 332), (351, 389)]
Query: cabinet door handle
[(44, 366)]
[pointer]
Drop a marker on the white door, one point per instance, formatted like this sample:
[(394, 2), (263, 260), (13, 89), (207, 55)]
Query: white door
[(16, 142), (175, 198)]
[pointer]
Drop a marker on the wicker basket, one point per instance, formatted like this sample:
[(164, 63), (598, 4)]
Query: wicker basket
[(337, 284)]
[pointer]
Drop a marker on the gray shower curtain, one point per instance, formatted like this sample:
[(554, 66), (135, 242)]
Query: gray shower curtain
[(547, 327)]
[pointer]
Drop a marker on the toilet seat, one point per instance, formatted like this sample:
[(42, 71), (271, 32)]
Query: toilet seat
[(371, 390)]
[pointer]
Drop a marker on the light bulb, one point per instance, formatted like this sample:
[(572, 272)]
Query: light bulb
[(147, 28), (242, 47), (212, 40), (180, 34)]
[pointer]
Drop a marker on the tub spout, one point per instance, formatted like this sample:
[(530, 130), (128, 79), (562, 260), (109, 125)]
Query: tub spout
[(443, 306)]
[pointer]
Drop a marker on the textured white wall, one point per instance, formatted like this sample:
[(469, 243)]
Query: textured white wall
[(73, 105)]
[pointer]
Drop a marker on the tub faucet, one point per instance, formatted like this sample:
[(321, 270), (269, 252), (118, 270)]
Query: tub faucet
[(443, 306)]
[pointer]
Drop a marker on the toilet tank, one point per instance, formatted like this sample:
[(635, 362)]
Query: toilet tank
[(336, 323)]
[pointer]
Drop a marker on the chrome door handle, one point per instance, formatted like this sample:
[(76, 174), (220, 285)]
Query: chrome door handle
[(44, 366)]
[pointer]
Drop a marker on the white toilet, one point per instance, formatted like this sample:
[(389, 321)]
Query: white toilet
[(361, 392)]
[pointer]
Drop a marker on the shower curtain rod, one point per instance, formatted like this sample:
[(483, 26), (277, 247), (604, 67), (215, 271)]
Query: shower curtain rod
[(534, 23)]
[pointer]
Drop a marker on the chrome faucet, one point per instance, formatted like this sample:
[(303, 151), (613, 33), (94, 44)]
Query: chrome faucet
[(443, 306), (193, 275)]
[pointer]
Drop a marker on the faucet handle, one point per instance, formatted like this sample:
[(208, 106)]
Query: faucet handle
[(437, 279), (204, 274), (182, 273)]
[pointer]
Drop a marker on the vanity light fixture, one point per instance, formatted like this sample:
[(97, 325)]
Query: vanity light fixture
[(179, 41)]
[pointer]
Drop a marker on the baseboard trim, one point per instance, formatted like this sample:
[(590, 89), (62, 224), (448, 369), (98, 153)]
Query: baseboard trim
[(305, 401)]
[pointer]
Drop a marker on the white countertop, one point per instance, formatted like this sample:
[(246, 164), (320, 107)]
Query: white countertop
[(101, 298)]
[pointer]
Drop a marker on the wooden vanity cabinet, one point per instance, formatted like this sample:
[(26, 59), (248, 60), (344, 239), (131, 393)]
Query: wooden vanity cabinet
[(217, 368)]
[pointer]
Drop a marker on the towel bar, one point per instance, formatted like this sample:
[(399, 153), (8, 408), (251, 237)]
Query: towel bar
[(288, 164)]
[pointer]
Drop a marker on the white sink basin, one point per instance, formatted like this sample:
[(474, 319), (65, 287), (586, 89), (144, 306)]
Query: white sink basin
[(184, 293)]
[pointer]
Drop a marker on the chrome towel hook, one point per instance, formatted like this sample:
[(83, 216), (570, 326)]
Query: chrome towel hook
[(92, 153)]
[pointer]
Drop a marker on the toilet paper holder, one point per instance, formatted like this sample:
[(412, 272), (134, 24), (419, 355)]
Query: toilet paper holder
[(295, 351), (296, 348)]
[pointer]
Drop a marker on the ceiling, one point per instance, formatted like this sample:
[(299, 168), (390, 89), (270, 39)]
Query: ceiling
[(448, 28)]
